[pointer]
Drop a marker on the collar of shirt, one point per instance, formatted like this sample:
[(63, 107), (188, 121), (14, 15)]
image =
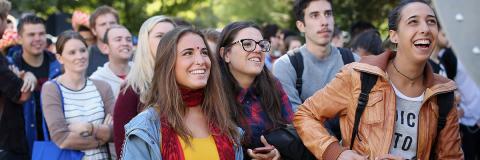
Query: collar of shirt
[(246, 93)]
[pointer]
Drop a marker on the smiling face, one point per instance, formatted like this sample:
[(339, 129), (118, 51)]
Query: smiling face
[(120, 44), (192, 64), (156, 34), (74, 56), (318, 23), (33, 39), (417, 32), (242, 63)]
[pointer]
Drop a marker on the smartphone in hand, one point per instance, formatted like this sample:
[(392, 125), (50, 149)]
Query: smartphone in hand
[(263, 150)]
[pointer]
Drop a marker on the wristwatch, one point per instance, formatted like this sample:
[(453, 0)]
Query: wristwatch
[(88, 132), (85, 134)]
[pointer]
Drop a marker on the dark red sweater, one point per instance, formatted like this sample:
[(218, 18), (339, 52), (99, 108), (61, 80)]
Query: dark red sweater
[(127, 106)]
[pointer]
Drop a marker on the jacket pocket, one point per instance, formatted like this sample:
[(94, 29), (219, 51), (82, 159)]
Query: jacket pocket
[(374, 111)]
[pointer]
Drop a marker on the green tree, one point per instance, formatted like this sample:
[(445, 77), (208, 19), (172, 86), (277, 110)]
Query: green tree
[(132, 12), (348, 12), (215, 13)]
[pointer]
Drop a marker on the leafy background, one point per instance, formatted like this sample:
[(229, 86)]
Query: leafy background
[(215, 13)]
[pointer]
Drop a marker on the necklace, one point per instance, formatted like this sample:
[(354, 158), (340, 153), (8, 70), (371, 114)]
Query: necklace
[(411, 79)]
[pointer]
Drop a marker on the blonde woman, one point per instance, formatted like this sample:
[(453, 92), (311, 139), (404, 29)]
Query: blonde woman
[(132, 97)]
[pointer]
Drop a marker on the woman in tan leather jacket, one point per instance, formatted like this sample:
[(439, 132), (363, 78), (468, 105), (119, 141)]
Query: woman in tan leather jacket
[(400, 118)]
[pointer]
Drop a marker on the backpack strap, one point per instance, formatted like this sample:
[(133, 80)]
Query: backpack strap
[(450, 62), (46, 134), (368, 81), (347, 55), (296, 59), (445, 105), (435, 66)]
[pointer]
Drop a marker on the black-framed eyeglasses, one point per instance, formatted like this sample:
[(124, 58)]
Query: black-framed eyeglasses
[(249, 45)]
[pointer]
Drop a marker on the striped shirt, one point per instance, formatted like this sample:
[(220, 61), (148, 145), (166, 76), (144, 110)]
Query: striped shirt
[(85, 105)]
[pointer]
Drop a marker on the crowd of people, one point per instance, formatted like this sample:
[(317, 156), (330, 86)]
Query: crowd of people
[(177, 92)]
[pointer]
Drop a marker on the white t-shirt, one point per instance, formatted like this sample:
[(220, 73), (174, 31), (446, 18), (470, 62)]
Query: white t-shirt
[(404, 141)]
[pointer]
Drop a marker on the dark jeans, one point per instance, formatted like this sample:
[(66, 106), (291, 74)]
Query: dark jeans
[(470, 142)]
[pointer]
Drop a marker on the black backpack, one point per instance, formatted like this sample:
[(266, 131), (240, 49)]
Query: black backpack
[(296, 59), (449, 61)]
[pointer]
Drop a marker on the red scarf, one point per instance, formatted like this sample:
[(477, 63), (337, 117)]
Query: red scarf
[(192, 98), (172, 149)]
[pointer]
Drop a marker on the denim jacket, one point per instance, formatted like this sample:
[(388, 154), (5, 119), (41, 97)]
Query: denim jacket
[(142, 138)]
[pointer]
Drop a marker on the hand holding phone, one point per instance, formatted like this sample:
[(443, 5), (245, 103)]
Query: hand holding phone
[(267, 152), (263, 150)]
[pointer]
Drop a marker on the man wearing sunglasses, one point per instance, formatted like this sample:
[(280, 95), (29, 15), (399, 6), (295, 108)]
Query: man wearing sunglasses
[(319, 59)]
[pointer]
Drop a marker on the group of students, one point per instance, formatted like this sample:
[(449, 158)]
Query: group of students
[(181, 98)]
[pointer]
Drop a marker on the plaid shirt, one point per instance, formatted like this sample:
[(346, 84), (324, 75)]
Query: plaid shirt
[(257, 119)]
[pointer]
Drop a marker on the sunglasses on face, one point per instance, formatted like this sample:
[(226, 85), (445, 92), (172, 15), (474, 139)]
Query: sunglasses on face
[(250, 45)]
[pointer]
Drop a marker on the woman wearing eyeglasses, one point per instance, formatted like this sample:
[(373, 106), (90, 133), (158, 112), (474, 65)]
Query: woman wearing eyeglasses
[(257, 100)]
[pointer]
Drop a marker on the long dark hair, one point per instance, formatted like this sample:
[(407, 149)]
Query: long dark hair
[(165, 96), (263, 83)]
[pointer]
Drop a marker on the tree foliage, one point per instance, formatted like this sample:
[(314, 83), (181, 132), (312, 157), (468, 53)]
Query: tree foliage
[(213, 13), (348, 12)]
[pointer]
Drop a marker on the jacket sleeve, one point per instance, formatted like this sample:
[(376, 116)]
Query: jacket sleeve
[(449, 142), (327, 103), (285, 73), (107, 95), (11, 84), (135, 148)]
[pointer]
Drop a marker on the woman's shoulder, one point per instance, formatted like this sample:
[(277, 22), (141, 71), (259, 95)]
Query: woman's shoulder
[(99, 83), (143, 136), (49, 86), (147, 120)]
